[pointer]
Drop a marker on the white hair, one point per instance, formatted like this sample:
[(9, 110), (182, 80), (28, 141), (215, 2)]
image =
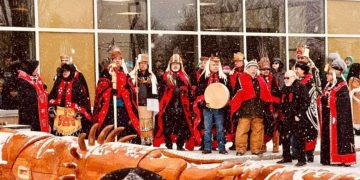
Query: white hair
[(207, 72)]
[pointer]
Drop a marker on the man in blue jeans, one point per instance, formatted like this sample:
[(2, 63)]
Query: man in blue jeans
[(212, 74)]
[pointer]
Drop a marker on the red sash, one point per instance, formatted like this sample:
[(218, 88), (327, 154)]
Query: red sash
[(68, 97), (335, 157)]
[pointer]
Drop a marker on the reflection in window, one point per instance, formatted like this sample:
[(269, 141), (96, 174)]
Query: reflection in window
[(130, 14), (220, 15), (316, 46), (224, 46), (130, 45), (271, 47), (17, 13), (14, 47), (19, 44), (265, 16), (173, 15), (163, 47), (306, 16)]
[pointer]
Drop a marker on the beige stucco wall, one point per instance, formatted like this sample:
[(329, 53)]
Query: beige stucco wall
[(79, 45), (343, 17), (66, 14), (345, 47)]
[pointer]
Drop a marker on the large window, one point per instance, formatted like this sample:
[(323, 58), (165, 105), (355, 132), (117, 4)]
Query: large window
[(316, 46), (130, 45), (265, 16), (18, 13), (260, 46), (223, 46), (220, 15), (173, 15), (306, 16), (164, 46), (274, 28), (129, 14)]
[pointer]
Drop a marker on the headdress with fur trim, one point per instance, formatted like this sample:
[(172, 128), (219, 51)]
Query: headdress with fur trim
[(175, 58), (144, 58), (66, 51), (238, 56), (264, 63), (207, 72), (116, 53)]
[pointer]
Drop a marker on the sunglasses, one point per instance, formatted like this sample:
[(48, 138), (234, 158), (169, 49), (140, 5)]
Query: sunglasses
[(275, 63), (286, 78)]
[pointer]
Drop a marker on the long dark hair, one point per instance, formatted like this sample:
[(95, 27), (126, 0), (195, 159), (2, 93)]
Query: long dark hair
[(354, 71)]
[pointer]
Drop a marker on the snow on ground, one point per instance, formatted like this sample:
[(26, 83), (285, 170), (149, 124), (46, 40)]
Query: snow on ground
[(270, 158)]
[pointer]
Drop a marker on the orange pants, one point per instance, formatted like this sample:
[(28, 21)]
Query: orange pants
[(256, 137)]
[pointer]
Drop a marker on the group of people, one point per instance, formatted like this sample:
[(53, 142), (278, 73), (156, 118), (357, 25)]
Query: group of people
[(264, 103)]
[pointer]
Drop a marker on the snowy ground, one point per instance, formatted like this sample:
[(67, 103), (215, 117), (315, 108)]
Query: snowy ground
[(271, 158)]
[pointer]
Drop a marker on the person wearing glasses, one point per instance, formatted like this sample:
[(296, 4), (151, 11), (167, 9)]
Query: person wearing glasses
[(337, 136), (271, 130), (294, 103), (248, 106), (277, 69)]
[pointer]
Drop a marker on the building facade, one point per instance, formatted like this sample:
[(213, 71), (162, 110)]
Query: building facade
[(44, 29)]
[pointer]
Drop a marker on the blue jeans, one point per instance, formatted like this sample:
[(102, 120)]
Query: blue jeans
[(216, 115)]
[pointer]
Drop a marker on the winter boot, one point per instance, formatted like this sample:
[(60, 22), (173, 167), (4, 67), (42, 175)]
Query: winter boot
[(276, 140)]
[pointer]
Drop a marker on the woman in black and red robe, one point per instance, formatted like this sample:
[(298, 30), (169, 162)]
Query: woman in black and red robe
[(127, 115), (337, 136), (174, 119), (70, 92), (33, 106)]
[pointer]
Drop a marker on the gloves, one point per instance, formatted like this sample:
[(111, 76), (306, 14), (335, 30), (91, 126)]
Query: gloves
[(78, 116)]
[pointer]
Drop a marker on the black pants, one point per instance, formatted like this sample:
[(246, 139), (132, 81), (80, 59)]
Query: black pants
[(289, 129), (123, 120)]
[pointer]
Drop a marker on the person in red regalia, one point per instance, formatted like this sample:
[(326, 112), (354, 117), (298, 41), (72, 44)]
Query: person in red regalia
[(337, 135), (234, 74), (33, 107), (248, 106), (69, 102), (212, 74), (115, 81), (174, 119), (271, 113)]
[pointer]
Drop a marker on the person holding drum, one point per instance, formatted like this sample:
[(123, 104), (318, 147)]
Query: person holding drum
[(174, 118), (115, 102), (248, 106), (213, 86), (146, 89)]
